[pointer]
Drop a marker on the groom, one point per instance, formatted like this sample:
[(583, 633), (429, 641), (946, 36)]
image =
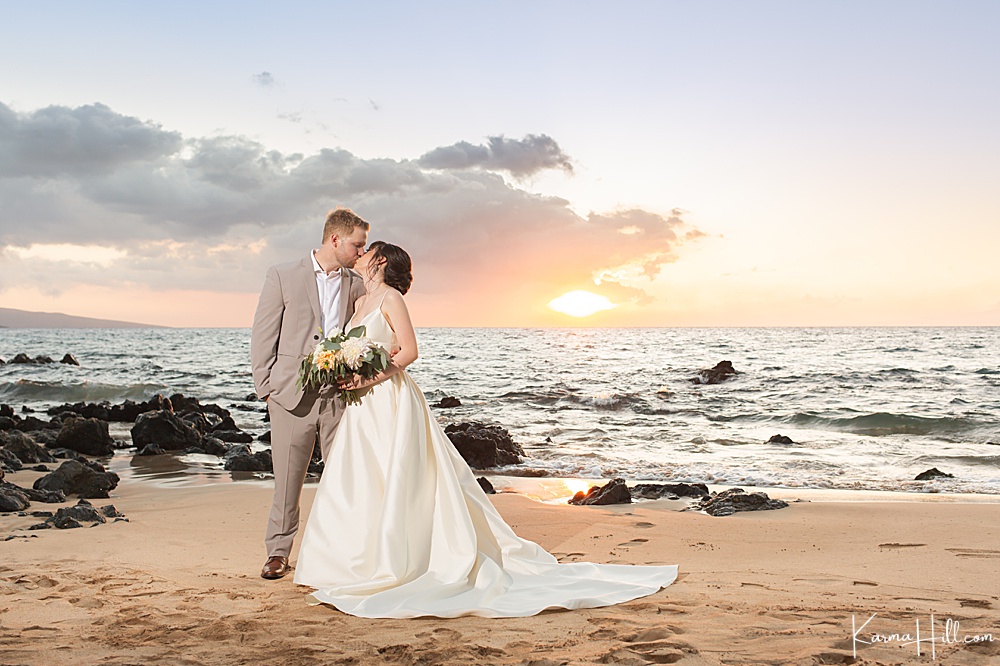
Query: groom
[(298, 300)]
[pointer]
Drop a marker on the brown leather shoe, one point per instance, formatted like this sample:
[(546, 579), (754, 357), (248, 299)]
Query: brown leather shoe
[(275, 567)]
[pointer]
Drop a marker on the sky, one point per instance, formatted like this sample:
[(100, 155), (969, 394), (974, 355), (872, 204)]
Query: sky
[(742, 163)]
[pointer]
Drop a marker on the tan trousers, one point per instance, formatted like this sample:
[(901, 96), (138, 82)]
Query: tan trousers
[(293, 436)]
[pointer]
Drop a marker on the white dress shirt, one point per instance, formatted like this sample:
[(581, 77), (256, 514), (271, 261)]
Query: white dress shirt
[(328, 285)]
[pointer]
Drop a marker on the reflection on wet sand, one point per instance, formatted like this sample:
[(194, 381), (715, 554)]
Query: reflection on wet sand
[(180, 470)]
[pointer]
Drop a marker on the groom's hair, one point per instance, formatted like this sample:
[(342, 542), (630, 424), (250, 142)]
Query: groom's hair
[(343, 222)]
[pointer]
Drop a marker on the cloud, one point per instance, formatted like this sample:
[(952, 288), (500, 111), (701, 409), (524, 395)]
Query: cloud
[(211, 213), (291, 116), (59, 141), (528, 156), (264, 79)]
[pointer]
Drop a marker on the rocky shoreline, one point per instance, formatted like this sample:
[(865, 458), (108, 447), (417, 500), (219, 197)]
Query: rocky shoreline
[(77, 436)]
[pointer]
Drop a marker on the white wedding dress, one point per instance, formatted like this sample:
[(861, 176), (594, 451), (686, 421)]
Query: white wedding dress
[(401, 528)]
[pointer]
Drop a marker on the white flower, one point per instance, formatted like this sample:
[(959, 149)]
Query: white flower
[(352, 350)]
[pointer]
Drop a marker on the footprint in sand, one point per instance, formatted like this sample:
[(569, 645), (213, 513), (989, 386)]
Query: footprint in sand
[(652, 646), (650, 635), (633, 542), (445, 634), (88, 602), (644, 524), (974, 552), (974, 603), (819, 581), (833, 658), (35, 582), (601, 634), (569, 555)]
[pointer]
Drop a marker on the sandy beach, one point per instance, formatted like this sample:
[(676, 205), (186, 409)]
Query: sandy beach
[(179, 584)]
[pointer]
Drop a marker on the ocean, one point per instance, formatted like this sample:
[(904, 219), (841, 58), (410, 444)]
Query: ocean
[(866, 408)]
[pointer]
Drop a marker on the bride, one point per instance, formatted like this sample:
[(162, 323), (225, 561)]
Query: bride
[(401, 528)]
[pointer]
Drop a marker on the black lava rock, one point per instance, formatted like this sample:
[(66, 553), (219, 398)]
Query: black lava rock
[(239, 459), (9, 462), (69, 359), (46, 438), (613, 492), (64, 522), (233, 436), (87, 436), (733, 500), (722, 371), (24, 447), (82, 511), (109, 511), (150, 449), (84, 479), (129, 412), (46, 496), (933, 473), (32, 424), (448, 402), (164, 429), (658, 490), (182, 403), (780, 439), (214, 446), (65, 454), (484, 446), (196, 420), (126, 412), (487, 487), (226, 423), (12, 499)]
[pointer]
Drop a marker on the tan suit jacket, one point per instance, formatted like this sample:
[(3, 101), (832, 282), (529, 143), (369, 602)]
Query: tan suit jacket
[(286, 327)]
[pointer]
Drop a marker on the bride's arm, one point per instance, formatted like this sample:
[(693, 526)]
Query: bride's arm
[(394, 308)]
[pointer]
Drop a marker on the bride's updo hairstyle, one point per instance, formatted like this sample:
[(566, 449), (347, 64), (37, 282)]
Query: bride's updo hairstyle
[(397, 265)]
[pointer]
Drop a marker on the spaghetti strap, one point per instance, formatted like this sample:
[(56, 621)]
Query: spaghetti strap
[(351, 321)]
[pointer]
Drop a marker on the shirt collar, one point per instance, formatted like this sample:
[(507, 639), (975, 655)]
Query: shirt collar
[(319, 269)]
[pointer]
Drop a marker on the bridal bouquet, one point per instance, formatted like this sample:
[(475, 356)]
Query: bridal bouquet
[(342, 356)]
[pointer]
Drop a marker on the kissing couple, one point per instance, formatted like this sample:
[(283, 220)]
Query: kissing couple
[(399, 526)]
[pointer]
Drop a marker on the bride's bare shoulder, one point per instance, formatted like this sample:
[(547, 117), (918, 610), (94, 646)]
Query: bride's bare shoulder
[(393, 297)]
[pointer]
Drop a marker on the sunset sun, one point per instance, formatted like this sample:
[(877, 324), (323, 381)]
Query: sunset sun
[(580, 303)]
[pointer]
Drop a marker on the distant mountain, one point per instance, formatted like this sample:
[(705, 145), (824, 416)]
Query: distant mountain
[(10, 318)]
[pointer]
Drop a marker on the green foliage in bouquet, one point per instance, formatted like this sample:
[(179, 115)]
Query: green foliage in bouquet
[(342, 356)]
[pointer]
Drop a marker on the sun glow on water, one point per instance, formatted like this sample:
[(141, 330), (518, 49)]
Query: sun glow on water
[(575, 486)]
